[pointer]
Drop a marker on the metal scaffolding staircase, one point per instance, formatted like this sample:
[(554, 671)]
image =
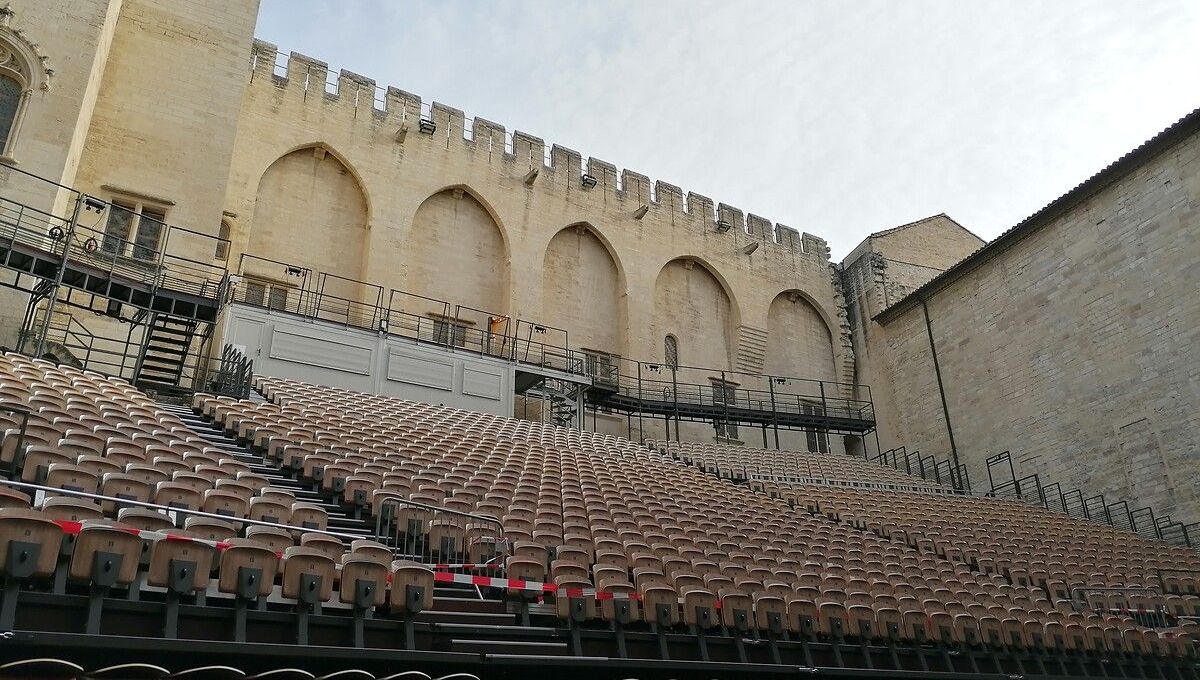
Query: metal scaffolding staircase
[(165, 352)]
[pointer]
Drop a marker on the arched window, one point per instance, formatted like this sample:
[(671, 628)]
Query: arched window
[(14, 93), (671, 351)]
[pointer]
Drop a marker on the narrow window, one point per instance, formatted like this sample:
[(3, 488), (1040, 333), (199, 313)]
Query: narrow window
[(149, 232), (725, 394), (818, 440), (278, 298), (222, 252), (10, 103), (671, 351), (116, 229), (134, 230), (255, 293), (16, 82)]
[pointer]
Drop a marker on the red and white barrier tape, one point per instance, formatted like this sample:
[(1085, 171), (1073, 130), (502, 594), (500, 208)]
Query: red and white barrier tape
[(73, 528), (439, 575)]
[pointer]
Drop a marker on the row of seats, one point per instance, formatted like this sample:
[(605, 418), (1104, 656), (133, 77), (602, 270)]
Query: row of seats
[(741, 462), (94, 434), (365, 561), (607, 512), (1028, 544)]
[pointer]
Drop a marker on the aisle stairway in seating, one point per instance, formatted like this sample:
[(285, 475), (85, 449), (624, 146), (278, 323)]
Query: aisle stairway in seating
[(463, 606)]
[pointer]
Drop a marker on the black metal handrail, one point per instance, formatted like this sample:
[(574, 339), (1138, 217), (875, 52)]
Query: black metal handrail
[(234, 374)]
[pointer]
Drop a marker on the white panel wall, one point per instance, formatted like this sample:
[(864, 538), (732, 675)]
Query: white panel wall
[(289, 346)]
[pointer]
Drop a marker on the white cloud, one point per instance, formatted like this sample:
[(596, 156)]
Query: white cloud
[(832, 117)]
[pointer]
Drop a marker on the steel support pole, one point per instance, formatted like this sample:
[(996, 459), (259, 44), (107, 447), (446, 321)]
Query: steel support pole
[(58, 277), (937, 370)]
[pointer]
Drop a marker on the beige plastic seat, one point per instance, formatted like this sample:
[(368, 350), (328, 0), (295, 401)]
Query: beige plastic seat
[(411, 588), (105, 556), (250, 563), (145, 518), (328, 545), (308, 575), (12, 498), (176, 495), (180, 566), (74, 509), (660, 605), (275, 539), (270, 509), (209, 528), (309, 516), (36, 529), (373, 550), (363, 581)]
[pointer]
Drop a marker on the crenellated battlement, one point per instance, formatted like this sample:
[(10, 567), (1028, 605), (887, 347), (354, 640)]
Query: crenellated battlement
[(563, 167)]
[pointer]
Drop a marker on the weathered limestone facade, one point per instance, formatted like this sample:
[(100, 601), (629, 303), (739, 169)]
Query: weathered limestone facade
[(346, 183), (1070, 341), (881, 271), (131, 100)]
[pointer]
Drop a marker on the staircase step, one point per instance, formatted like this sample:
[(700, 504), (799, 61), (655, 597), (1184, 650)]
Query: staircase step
[(341, 520), (509, 647)]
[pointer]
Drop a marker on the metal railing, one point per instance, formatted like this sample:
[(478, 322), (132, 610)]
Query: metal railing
[(232, 375), (1096, 508), (432, 534), (110, 238), (296, 289), (927, 467)]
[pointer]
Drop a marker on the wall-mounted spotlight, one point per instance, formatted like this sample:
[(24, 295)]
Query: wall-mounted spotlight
[(641, 212), (293, 270), (781, 381), (93, 203), (539, 329), (427, 126), (587, 181), (653, 368), (723, 226), (530, 176), (748, 248)]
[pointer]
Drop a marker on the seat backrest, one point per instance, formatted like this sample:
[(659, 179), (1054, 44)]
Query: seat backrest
[(364, 547), (655, 595), (74, 509), (324, 543), (275, 539), (145, 518), (29, 526), (405, 574), (309, 516), (169, 555), (209, 528), (97, 551), (299, 561), (354, 569), (249, 553)]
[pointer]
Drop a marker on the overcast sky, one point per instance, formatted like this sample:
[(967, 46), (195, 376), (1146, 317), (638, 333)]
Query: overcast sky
[(838, 118)]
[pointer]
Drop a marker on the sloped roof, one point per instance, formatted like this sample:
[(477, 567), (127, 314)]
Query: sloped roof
[(923, 220), (1164, 140)]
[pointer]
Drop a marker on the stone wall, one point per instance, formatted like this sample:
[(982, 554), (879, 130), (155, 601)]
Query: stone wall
[(1075, 348), (505, 225), (882, 270)]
